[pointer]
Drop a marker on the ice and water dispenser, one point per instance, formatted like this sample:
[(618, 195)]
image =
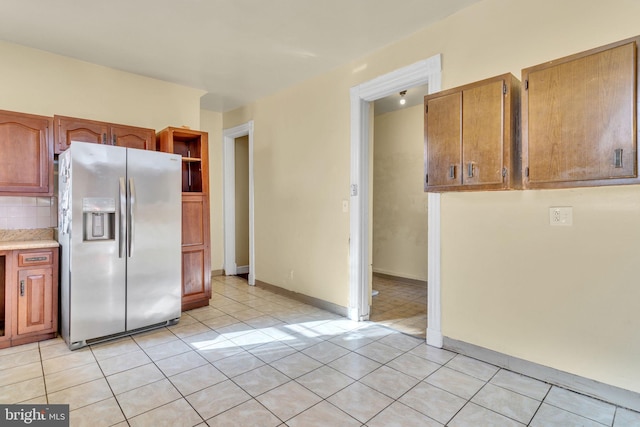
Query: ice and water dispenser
[(99, 218)]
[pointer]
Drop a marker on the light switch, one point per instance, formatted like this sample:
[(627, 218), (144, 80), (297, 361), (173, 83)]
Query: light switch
[(561, 215)]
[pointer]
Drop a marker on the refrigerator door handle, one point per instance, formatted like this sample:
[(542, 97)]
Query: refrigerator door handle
[(131, 220), (122, 193)]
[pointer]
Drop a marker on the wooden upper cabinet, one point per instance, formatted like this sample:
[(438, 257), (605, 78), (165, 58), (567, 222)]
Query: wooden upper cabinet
[(471, 136), (580, 119), (133, 137), (69, 129), (443, 140), (26, 155)]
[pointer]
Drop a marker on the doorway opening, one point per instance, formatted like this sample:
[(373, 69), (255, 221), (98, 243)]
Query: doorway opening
[(399, 213), (424, 72), (238, 199)]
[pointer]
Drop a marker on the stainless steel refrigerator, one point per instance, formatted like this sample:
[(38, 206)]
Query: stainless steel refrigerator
[(119, 228)]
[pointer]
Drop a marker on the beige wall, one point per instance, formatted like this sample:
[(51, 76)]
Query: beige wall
[(242, 200), (399, 200), (37, 82), (301, 167), (211, 122), (540, 303)]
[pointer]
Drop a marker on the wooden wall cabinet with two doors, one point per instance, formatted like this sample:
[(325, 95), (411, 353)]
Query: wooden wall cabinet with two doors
[(28, 295), (196, 246), (26, 154), (472, 136), (580, 119), (69, 129)]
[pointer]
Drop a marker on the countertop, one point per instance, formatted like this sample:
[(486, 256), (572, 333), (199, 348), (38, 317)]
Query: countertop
[(27, 239), (11, 245)]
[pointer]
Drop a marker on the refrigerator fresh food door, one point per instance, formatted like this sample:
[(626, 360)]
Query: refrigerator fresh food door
[(97, 277), (153, 251)]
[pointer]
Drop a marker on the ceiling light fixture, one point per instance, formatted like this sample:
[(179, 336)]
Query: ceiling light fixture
[(402, 99)]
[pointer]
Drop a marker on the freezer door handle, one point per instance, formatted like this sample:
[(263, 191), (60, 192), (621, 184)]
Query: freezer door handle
[(131, 220), (122, 192)]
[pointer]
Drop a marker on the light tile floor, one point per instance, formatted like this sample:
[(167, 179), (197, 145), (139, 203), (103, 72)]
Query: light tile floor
[(255, 358), (400, 305)]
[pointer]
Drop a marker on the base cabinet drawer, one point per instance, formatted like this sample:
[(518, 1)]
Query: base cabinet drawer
[(35, 258)]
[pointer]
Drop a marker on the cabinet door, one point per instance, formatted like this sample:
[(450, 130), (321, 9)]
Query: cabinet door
[(443, 117), (26, 163), (133, 137), (5, 298), (195, 220), (194, 278), (69, 129), (482, 134), (35, 300), (196, 253), (582, 118)]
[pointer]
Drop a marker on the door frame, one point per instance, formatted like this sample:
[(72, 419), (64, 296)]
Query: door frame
[(428, 71), (229, 199)]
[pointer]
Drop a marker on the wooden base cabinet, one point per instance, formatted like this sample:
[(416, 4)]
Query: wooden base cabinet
[(192, 145), (69, 129), (471, 136), (6, 258), (580, 119), (30, 289), (196, 253)]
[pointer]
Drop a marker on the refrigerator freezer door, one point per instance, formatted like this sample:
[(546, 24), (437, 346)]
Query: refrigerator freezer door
[(97, 292), (154, 252)]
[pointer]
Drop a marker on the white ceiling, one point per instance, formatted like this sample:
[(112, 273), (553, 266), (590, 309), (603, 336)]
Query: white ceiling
[(236, 50)]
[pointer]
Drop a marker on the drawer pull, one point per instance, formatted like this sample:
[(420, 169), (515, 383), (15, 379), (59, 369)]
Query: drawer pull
[(36, 258), (21, 288)]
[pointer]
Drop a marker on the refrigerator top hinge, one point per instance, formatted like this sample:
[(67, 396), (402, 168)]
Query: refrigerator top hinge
[(526, 84), (354, 189)]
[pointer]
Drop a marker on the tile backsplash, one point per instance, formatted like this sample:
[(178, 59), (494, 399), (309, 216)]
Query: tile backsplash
[(28, 212)]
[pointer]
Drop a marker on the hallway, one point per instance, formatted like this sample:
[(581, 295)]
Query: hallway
[(400, 305)]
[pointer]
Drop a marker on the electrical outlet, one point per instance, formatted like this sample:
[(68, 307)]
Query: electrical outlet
[(345, 206), (561, 215)]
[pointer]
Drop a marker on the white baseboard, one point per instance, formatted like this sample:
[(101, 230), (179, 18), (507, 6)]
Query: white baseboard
[(608, 393), (398, 275)]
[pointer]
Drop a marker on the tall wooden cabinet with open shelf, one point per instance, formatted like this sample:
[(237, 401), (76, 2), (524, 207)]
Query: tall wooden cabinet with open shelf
[(192, 145)]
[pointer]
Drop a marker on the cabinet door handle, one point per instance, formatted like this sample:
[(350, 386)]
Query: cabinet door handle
[(104, 138), (21, 288), (618, 157), (452, 171), (113, 139), (470, 170)]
